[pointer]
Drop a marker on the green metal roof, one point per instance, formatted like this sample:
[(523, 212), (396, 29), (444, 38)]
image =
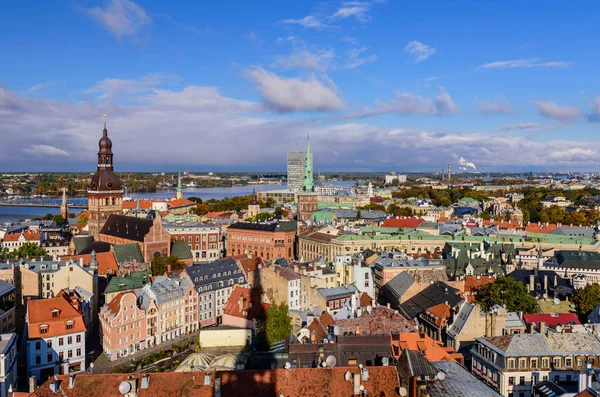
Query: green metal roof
[(128, 253), (82, 242), (322, 216), (429, 225), (135, 280), (467, 200), (324, 205), (181, 249)]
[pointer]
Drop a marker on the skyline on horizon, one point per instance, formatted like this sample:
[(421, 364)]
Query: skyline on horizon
[(234, 86)]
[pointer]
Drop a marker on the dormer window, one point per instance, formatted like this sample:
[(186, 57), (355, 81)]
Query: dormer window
[(70, 324), (43, 329), (55, 313)]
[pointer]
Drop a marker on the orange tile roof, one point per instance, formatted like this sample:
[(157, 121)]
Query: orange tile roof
[(115, 304), (215, 214), (81, 214), (433, 350), (145, 204), (28, 235), (381, 320), (251, 304), (540, 227), (249, 264), (106, 261), (410, 223), (440, 312), (182, 202), (502, 224), (40, 311), (365, 300), (382, 381)]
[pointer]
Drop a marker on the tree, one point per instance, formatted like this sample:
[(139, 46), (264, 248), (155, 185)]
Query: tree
[(59, 220), (278, 324), (28, 250), (159, 264), (485, 215), (358, 214), (83, 220), (507, 291), (395, 210), (201, 209), (263, 216), (586, 299), (280, 212), (196, 200)]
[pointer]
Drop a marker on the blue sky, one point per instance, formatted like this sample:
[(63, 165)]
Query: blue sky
[(234, 85)]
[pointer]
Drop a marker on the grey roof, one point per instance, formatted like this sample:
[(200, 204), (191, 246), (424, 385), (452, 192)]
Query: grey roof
[(164, 290), (451, 228), (575, 231), (364, 214), (458, 382), (5, 288), (81, 242), (461, 318), (337, 292), (266, 226), (51, 266), (210, 274), (572, 259), (418, 365), (181, 249), (544, 345), (434, 294), (400, 284), (394, 260)]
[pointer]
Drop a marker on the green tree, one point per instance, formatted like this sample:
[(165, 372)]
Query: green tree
[(201, 209), (196, 200), (82, 221), (507, 291), (281, 212), (586, 299), (28, 250), (159, 264), (263, 216), (395, 210), (486, 215), (59, 220), (278, 324), (358, 214)]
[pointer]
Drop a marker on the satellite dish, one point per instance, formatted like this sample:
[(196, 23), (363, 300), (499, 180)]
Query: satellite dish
[(556, 301), (360, 366), (403, 392), (347, 376), (559, 328), (124, 387), (385, 361), (330, 361), (324, 364), (361, 388), (441, 375), (545, 296), (288, 365), (336, 330)]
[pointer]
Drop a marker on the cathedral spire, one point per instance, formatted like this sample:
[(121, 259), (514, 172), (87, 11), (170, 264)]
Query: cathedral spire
[(308, 169), (179, 188)]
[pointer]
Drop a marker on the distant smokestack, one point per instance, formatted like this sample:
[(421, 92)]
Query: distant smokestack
[(449, 177), (443, 175)]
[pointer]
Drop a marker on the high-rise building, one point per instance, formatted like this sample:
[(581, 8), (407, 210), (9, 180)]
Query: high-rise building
[(295, 170), (105, 196)]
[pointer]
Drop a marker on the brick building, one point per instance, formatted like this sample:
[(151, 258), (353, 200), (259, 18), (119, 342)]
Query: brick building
[(205, 241), (268, 240), (149, 234)]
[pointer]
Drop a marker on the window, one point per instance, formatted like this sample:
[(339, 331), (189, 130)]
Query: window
[(78, 338), (61, 356), (522, 380), (43, 330), (522, 363), (69, 353), (79, 351), (55, 313), (70, 340), (49, 344), (61, 341), (70, 325), (533, 363), (556, 378), (38, 345), (511, 380), (545, 362), (38, 359), (556, 362), (49, 357), (511, 364), (568, 362)]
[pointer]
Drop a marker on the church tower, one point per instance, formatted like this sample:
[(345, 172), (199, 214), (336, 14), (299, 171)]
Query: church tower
[(309, 185), (308, 201), (64, 211), (105, 196), (253, 208), (179, 188)]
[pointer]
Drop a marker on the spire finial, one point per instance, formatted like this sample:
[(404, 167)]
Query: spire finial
[(104, 115)]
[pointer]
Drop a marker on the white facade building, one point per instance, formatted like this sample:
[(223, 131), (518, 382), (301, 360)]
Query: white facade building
[(295, 170), (8, 363)]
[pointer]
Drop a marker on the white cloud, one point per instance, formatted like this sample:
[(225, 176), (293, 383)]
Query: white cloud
[(552, 110), (356, 9), (121, 17), (419, 51), (532, 127), (350, 40), (40, 86), (45, 150), (354, 59), (523, 63), (309, 21), (294, 94), (499, 106), (127, 88), (408, 103), (305, 59)]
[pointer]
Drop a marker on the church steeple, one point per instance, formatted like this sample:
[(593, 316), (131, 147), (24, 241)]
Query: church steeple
[(179, 188), (308, 185), (105, 154)]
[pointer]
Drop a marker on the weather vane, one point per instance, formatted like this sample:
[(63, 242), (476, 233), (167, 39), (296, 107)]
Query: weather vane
[(104, 115)]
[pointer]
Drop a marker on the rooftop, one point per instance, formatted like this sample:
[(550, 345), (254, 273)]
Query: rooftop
[(52, 317), (544, 345)]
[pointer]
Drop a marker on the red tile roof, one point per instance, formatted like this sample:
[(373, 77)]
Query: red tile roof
[(441, 312), (115, 304), (502, 224), (410, 223), (182, 202), (432, 349), (540, 227), (106, 261), (28, 235), (365, 300), (551, 320), (249, 264), (251, 308), (145, 204), (41, 312), (381, 320), (383, 381)]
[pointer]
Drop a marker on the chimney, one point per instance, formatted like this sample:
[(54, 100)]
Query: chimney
[(71, 381), (545, 283), (542, 328), (241, 303), (531, 283), (555, 281), (32, 384), (169, 269), (145, 381), (357, 330), (530, 328)]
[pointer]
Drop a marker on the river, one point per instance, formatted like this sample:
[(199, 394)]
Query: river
[(11, 214)]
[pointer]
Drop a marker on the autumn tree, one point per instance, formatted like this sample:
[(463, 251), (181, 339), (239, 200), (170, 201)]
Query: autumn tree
[(586, 299), (506, 291)]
